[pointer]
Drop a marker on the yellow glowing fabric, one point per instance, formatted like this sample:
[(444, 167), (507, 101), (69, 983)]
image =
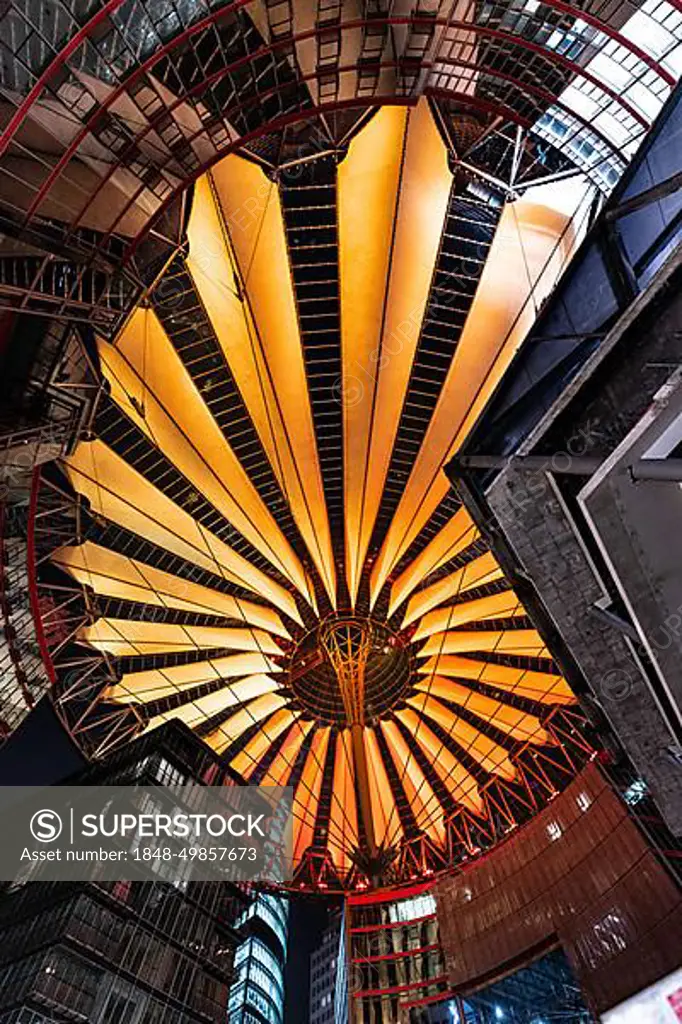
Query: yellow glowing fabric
[(424, 803), (518, 724), (478, 572), (119, 493), (458, 533), (114, 575), (151, 684), (525, 260), (267, 359), (384, 808), (489, 754), (129, 637), (255, 711), (203, 586), (460, 783), (256, 689), (511, 641), (391, 212), (248, 758), (307, 793), (150, 384), (279, 771), (497, 606), (343, 826), (541, 686)]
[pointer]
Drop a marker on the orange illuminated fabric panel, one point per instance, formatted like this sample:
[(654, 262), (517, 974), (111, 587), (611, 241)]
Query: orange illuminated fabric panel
[(115, 575), (541, 686), (151, 684), (149, 383), (390, 220), (126, 497), (423, 801), (248, 759), (493, 757), (257, 690), (256, 535), (343, 826), (307, 793), (497, 606), (126, 637), (461, 784), (384, 808), (527, 256), (512, 641), (280, 770), (509, 720), (478, 572), (455, 536), (250, 714), (267, 359)]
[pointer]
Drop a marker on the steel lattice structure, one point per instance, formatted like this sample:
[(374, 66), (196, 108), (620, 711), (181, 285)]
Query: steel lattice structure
[(305, 242), (110, 110)]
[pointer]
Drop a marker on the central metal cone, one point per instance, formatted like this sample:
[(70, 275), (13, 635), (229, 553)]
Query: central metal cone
[(348, 643)]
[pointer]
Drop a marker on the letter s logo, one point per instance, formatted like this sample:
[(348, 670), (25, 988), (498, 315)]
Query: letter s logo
[(46, 826)]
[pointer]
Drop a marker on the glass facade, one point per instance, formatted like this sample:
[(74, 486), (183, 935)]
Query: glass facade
[(122, 952), (257, 993), (327, 977), (540, 993), (395, 954), (640, 228)]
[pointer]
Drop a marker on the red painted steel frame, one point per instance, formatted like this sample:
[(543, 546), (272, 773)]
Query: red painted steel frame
[(58, 62), (496, 107), (397, 989), (33, 579), (4, 606), (217, 15)]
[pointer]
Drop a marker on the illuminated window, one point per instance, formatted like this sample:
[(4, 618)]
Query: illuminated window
[(410, 910)]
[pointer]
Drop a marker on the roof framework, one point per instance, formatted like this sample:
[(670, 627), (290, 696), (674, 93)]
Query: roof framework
[(109, 111), (286, 363), (227, 511)]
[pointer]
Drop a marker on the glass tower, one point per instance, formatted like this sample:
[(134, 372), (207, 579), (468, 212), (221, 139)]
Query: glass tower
[(257, 994)]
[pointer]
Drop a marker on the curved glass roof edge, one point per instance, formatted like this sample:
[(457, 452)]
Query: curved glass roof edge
[(568, 329)]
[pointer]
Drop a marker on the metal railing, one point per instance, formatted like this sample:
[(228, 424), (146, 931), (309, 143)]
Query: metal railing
[(23, 678)]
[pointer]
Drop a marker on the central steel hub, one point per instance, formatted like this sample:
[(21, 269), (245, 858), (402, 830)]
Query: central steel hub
[(350, 670)]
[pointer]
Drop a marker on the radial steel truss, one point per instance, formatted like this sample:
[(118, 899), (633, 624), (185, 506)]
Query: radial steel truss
[(216, 517)]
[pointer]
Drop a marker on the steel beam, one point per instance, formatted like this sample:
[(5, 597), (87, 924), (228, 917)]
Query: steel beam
[(583, 465), (657, 469)]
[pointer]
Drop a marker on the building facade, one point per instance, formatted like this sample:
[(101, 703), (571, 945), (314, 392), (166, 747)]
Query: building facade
[(325, 964), (396, 962), (576, 911), (257, 994), (141, 952)]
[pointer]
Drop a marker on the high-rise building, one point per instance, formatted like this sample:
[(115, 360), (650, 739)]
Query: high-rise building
[(257, 993), (142, 952), (325, 972)]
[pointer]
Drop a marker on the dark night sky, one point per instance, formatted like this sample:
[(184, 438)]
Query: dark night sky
[(40, 752)]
